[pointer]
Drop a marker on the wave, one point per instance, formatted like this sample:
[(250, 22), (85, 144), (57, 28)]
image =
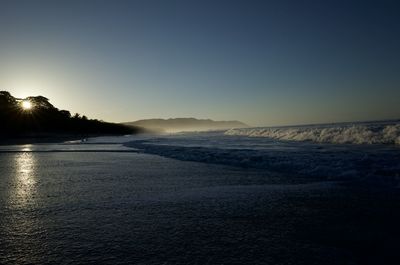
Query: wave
[(332, 162), (337, 134)]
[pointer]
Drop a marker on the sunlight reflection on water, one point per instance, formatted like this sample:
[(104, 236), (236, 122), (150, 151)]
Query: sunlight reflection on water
[(25, 179), (22, 230)]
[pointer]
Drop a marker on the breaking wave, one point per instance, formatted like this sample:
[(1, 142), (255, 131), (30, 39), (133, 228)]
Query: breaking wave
[(337, 134), (298, 159)]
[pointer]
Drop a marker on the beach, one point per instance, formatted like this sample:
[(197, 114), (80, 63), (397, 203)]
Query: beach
[(110, 204)]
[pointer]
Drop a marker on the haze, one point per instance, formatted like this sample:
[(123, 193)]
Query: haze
[(263, 63)]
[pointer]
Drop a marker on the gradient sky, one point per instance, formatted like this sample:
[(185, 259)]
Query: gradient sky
[(261, 62)]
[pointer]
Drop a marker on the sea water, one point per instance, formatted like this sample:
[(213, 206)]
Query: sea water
[(196, 198)]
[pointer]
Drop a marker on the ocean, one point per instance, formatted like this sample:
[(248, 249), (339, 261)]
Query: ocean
[(288, 195)]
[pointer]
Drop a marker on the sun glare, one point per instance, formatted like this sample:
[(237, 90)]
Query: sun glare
[(26, 105)]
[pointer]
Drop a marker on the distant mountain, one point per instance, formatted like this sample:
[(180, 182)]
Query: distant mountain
[(186, 124)]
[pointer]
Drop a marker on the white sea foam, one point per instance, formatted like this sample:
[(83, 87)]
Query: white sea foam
[(294, 158), (338, 134)]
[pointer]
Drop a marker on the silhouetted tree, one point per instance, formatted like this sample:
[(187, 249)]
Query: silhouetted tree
[(6, 100), (45, 118), (40, 102), (65, 113)]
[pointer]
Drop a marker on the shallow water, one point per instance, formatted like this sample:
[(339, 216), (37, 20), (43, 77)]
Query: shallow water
[(376, 163), (104, 203)]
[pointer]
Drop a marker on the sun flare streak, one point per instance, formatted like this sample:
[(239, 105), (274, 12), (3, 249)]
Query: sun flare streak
[(26, 105)]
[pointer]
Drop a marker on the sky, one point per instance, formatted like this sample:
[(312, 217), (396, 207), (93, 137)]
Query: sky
[(260, 62)]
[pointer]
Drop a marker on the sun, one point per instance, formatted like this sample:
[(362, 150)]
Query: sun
[(26, 105)]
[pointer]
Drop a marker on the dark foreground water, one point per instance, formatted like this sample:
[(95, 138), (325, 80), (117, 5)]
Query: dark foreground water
[(108, 204)]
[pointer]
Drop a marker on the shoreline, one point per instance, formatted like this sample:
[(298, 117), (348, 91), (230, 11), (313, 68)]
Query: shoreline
[(47, 138)]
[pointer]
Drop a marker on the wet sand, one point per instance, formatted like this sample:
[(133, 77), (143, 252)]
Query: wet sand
[(56, 138)]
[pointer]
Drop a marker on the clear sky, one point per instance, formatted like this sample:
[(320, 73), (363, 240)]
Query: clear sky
[(261, 62)]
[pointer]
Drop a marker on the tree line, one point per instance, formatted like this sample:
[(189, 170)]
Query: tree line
[(44, 118)]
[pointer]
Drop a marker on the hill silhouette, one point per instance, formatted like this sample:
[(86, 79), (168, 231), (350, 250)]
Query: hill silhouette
[(186, 124), (36, 116)]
